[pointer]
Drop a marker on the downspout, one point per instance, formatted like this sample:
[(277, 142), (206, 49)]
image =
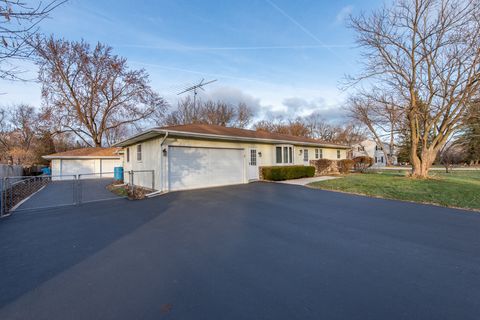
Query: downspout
[(161, 162)]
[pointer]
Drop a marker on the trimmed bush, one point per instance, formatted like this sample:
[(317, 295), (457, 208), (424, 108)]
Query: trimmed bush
[(362, 163), (279, 173), (345, 165), (324, 166)]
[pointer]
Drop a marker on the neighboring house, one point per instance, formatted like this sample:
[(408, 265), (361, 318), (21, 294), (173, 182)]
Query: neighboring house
[(197, 156), (90, 162), (371, 149)]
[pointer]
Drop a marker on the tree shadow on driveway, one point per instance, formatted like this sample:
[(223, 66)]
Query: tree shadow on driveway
[(37, 245)]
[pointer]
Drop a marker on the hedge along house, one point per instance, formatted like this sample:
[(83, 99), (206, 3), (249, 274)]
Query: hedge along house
[(199, 156), (90, 162)]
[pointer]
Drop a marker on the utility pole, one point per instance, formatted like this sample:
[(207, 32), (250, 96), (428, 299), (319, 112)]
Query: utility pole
[(195, 88)]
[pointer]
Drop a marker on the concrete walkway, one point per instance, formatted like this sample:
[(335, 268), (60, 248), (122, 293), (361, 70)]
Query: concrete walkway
[(305, 181)]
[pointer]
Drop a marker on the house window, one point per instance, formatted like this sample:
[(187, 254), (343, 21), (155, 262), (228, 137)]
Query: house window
[(253, 157), (381, 159), (284, 154), (305, 155), (278, 152), (376, 160), (320, 156), (128, 154), (139, 152), (338, 154), (317, 153)]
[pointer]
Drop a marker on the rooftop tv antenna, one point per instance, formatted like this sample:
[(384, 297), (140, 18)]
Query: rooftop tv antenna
[(195, 88)]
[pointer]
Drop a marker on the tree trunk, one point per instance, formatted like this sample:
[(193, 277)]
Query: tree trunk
[(421, 165)]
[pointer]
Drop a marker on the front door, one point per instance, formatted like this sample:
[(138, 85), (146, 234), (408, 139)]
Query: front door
[(252, 164)]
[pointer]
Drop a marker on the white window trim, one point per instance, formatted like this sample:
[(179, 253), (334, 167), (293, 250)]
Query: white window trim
[(291, 155), (305, 155), (141, 152)]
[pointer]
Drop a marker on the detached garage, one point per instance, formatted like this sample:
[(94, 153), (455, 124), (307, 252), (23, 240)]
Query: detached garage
[(91, 162)]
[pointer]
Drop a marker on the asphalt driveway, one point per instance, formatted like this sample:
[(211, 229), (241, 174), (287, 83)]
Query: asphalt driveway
[(66, 192), (257, 251)]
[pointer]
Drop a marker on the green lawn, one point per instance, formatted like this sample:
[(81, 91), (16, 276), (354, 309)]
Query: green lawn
[(458, 189)]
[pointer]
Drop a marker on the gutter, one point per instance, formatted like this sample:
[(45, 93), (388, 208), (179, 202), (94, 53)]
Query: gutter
[(162, 160)]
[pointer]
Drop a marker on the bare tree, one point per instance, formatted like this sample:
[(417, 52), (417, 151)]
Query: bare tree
[(426, 53), (381, 115), (91, 91), (294, 127), (450, 155), (19, 21), (210, 112), (315, 127)]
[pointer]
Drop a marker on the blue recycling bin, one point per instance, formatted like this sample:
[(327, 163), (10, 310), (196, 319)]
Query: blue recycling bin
[(118, 173), (46, 171)]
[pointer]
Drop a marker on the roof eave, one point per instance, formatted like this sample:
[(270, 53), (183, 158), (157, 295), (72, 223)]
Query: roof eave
[(51, 157)]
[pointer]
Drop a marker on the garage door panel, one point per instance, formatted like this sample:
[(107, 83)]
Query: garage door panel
[(75, 167), (191, 168)]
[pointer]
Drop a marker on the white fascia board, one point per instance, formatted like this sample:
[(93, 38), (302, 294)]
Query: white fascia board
[(81, 157)]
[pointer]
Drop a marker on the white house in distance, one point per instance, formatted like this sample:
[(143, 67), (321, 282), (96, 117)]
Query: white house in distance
[(371, 149), (197, 156), (90, 162)]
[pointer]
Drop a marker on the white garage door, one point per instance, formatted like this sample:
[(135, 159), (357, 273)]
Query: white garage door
[(77, 166), (191, 168), (108, 166)]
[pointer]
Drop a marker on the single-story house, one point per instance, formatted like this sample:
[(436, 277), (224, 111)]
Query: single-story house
[(90, 162), (198, 155)]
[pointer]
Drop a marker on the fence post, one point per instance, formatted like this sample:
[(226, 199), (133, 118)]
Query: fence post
[(11, 200), (2, 196), (79, 188), (133, 184), (75, 192), (153, 180)]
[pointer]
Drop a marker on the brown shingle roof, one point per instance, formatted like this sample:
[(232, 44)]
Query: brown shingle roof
[(86, 152), (243, 133)]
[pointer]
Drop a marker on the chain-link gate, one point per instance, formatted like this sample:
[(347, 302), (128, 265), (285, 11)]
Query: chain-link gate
[(16, 190), (41, 192)]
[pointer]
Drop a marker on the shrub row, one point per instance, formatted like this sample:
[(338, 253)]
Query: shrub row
[(362, 163), (279, 173), (326, 166)]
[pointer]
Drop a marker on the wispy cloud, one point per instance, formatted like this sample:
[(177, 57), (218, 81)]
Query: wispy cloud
[(343, 14), (295, 22), (239, 48), (303, 28), (217, 75)]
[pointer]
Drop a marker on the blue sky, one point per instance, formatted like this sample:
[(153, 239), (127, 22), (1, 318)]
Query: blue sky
[(280, 57)]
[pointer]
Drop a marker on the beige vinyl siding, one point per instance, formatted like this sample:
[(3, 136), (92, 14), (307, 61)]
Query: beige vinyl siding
[(153, 158)]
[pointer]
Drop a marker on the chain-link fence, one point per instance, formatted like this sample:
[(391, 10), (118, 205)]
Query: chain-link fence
[(39, 192), (15, 190), (95, 187), (144, 179)]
